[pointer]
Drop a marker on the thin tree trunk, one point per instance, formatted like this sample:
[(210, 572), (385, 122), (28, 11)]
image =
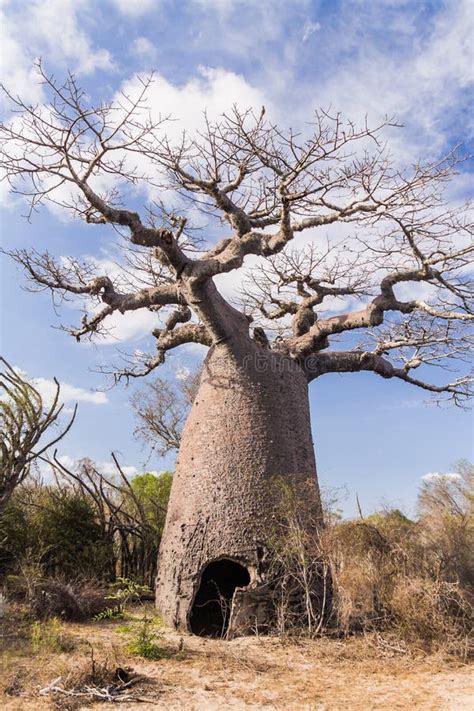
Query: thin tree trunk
[(248, 428)]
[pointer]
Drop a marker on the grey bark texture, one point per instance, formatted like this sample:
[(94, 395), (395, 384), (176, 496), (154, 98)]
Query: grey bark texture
[(248, 426)]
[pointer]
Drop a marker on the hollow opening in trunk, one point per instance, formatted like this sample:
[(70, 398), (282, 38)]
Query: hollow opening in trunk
[(213, 601)]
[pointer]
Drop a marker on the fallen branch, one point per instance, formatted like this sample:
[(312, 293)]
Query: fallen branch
[(112, 693)]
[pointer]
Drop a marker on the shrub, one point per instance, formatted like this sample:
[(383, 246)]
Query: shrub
[(385, 573), (428, 612), (59, 525), (49, 597), (446, 517), (386, 577), (144, 640)]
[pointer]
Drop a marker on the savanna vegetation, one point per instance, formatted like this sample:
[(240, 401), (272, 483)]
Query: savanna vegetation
[(63, 544), (77, 546)]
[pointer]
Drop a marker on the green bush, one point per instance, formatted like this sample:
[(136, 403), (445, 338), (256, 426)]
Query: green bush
[(145, 640), (57, 527), (74, 542)]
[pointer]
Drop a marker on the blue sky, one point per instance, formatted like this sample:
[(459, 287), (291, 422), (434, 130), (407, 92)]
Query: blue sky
[(412, 59)]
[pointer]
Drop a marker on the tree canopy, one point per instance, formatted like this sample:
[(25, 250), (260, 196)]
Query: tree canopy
[(400, 276)]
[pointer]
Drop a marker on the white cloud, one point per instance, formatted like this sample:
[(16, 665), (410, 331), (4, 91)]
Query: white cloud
[(440, 476), (212, 90), (422, 84), (69, 393), (107, 468), (129, 326), (53, 30), (182, 373)]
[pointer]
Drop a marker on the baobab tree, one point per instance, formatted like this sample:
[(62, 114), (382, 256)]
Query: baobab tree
[(393, 298)]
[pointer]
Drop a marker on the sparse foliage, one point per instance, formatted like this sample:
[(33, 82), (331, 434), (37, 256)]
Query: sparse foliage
[(299, 569), (409, 581), (126, 591), (24, 422), (144, 639), (446, 514)]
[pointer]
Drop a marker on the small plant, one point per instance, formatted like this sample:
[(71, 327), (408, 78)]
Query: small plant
[(108, 614), (126, 591), (48, 636), (145, 640)]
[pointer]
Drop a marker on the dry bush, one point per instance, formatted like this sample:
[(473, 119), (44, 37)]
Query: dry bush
[(386, 578), (92, 680), (52, 597), (298, 566), (446, 518), (74, 681), (431, 613), (356, 552), (71, 601), (411, 580), (96, 672)]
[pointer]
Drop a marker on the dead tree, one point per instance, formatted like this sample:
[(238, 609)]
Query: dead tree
[(399, 278), (24, 420)]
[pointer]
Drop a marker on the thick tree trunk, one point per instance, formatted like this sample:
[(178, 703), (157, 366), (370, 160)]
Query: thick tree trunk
[(249, 426)]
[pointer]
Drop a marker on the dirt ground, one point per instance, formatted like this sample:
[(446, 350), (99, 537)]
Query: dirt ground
[(246, 673)]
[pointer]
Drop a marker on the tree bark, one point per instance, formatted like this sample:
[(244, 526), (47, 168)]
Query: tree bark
[(249, 426)]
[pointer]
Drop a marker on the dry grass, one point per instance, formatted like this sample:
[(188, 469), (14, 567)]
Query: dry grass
[(95, 658), (359, 672)]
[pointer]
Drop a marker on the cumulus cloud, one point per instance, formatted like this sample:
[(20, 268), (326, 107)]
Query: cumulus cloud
[(69, 393), (422, 81), (421, 84), (130, 326), (52, 29), (213, 90), (107, 468), (110, 470)]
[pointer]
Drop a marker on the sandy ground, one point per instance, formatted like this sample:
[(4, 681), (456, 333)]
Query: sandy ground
[(249, 673)]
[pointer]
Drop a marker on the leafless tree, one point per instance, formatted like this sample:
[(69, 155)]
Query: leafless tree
[(400, 277), (24, 420), (161, 409)]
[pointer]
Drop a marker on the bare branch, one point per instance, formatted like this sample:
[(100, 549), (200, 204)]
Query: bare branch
[(24, 419), (404, 261)]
